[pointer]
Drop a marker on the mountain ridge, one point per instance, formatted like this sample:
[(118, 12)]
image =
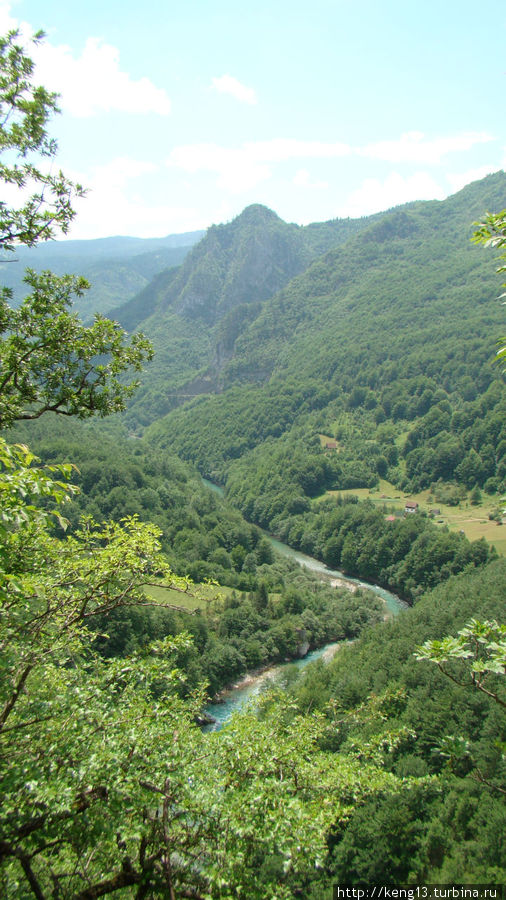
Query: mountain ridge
[(397, 330), (218, 291)]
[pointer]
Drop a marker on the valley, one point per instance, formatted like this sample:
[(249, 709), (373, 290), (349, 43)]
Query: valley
[(253, 449), (334, 386)]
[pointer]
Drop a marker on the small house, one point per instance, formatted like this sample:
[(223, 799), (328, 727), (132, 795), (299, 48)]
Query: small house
[(410, 507)]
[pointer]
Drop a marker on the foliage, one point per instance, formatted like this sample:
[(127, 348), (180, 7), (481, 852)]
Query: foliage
[(450, 827), (381, 343), (483, 644), (407, 555), (49, 361), (24, 114), (106, 782), (205, 538), (492, 233), (196, 314)]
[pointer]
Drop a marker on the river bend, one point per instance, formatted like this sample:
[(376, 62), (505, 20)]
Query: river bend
[(251, 685)]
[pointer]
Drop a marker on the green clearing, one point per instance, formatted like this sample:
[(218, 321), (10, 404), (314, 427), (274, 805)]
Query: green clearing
[(327, 438), (400, 440), (472, 520), (202, 595)]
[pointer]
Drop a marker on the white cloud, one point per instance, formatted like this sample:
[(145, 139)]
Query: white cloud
[(90, 83), (302, 179), (118, 172), (7, 23), (134, 218), (241, 168), (94, 82), (281, 149), (227, 84), (414, 147), (237, 169), (213, 157), (115, 204), (374, 195)]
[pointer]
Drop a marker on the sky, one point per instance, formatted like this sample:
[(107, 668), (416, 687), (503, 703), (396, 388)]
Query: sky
[(178, 115)]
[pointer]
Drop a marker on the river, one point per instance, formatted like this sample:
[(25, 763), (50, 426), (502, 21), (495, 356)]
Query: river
[(251, 685)]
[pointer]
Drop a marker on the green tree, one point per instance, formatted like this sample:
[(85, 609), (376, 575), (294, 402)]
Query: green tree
[(480, 651), (477, 657), (475, 496), (491, 232), (106, 782), (48, 360), (24, 113)]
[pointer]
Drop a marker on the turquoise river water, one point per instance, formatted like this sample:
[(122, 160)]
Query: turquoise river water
[(253, 684)]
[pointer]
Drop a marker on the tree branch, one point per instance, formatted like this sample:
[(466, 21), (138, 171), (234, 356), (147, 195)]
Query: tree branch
[(30, 877), (15, 695), (127, 877)]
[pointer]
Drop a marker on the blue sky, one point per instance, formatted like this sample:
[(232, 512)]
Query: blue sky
[(178, 115)]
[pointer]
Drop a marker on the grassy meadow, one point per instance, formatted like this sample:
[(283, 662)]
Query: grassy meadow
[(471, 519), (201, 597)]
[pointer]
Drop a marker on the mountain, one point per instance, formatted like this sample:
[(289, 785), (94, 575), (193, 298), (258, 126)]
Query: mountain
[(383, 343), (195, 314), (116, 267), (395, 287), (245, 261)]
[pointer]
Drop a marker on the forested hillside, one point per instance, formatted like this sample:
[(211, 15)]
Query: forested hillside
[(384, 345), (422, 723), (195, 314), (337, 355), (261, 609)]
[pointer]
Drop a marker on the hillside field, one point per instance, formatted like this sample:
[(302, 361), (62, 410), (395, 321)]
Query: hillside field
[(472, 519)]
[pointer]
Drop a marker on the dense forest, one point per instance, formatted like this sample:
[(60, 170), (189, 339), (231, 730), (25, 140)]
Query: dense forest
[(314, 357), (306, 370), (259, 609)]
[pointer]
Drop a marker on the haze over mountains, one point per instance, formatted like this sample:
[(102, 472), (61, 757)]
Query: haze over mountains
[(116, 267)]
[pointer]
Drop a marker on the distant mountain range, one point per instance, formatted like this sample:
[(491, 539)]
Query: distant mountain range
[(117, 267), (258, 299)]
